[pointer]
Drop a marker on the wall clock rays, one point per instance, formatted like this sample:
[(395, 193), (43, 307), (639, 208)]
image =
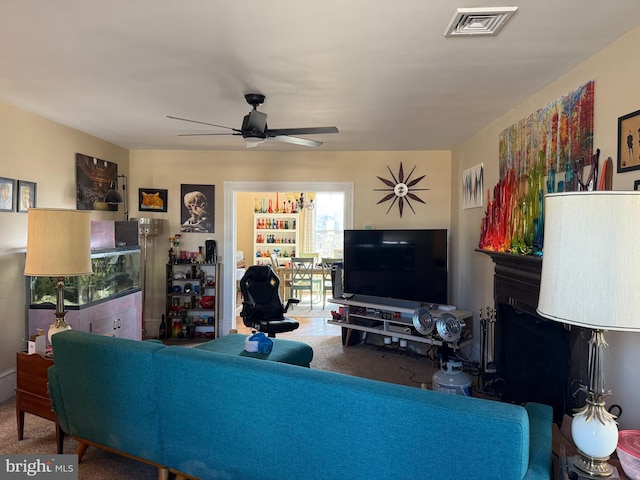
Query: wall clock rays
[(401, 189)]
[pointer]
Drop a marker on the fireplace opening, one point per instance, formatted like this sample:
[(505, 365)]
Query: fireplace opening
[(537, 360), (534, 360)]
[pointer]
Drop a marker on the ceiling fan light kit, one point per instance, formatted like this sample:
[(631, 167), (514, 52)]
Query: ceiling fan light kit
[(255, 131)]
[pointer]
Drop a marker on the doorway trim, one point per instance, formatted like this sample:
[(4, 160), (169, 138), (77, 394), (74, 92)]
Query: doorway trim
[(229, 245)]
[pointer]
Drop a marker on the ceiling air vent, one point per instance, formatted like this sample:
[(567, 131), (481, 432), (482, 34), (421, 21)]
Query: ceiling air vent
[(479, 21)]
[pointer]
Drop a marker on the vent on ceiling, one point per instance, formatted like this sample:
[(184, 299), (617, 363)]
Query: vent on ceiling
[(479, 21)]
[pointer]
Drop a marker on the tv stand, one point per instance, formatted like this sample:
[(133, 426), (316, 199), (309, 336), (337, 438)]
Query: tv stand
[(395, 321)]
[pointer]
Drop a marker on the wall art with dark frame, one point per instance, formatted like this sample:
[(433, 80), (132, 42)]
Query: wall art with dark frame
[(27, 196), (629, 142), (7, 194), (94, 178), (152, 200), (198, 208)]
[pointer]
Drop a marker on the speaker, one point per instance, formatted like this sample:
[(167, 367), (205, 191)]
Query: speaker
[(211, 252), (336, 280)]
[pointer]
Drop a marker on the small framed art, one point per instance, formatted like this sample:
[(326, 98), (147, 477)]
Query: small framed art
[(629, 142), (152, 200), (26, 195), (7, 194)]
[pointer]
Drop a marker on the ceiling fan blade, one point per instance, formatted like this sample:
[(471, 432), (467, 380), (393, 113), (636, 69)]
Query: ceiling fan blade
[(205, 134), (272, 132), (296, 140), (203, 123)]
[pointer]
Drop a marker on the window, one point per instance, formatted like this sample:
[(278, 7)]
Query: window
[(328, 223)]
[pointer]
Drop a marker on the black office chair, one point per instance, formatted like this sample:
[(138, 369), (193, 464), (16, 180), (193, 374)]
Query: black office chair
[(262, 308)]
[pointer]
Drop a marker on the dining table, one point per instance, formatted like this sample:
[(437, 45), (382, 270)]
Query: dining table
[(284, 271)]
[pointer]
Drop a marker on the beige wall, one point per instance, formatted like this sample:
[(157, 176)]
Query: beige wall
[(169, 169), (616, 72), (41, 151)]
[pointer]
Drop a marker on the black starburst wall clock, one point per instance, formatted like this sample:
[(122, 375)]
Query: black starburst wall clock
[(401, 189)]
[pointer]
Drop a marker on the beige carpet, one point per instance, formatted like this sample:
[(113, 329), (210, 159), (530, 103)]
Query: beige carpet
[(369, 361), (40, 438), (329, 354)]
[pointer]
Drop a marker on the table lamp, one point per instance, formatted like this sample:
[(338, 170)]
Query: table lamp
[(591, 278), (58, 246)]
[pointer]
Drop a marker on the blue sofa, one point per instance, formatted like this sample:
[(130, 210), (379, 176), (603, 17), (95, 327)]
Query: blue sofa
[(203, 414)]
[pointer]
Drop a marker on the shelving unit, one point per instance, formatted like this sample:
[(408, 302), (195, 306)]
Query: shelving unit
[(396, 321), (275, 233), (186, 315)]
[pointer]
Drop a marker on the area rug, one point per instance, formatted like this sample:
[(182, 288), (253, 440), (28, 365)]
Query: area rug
[(385, 364)]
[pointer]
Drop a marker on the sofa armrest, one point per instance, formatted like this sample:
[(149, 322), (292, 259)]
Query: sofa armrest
[(540, 454), (55, 394)]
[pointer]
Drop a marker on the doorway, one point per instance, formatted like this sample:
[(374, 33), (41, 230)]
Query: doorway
[(229, 246)]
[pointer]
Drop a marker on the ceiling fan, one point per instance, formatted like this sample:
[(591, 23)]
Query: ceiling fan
[(254, 127)]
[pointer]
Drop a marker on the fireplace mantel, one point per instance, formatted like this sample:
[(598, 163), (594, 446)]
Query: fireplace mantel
[(516, 279)]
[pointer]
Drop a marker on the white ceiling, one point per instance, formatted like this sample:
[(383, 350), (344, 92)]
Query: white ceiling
[(381, 71)]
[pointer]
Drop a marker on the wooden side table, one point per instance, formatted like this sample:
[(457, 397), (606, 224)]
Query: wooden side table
[(32, 395)]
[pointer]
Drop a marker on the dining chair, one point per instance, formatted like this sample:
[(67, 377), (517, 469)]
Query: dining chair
[(327, 284), (282, 273), (313, 255), (317, 272), (301, 277)]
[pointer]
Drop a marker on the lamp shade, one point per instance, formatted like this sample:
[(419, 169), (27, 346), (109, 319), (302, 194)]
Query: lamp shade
[(112, 197), (591, 261), (58, 243)]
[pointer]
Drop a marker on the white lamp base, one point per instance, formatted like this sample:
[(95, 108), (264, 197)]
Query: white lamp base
[(579, 474), (56, 327)]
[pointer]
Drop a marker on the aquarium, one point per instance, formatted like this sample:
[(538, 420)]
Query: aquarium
[(116, 272)]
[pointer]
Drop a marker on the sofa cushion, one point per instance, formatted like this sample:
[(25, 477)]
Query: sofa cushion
[(283, 351)]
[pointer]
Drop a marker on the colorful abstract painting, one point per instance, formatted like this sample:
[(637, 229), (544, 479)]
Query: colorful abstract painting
[(562, 131)]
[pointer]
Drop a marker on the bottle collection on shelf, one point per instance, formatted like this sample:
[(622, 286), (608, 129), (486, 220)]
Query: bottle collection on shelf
[(275, 224), (177, 255), (277, 252), (293, 204), (275, 231), (273, 239)]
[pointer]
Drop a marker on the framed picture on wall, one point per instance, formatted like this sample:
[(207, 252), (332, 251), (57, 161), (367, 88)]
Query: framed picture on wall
[(7, 194), (94, 178), (198, 207), (152, 200), (26, 196), (629, 142)]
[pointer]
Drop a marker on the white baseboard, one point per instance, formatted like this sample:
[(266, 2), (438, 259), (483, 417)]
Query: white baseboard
[(151, 327)]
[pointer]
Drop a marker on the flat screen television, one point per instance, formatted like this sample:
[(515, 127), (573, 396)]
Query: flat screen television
[(406, 265)]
